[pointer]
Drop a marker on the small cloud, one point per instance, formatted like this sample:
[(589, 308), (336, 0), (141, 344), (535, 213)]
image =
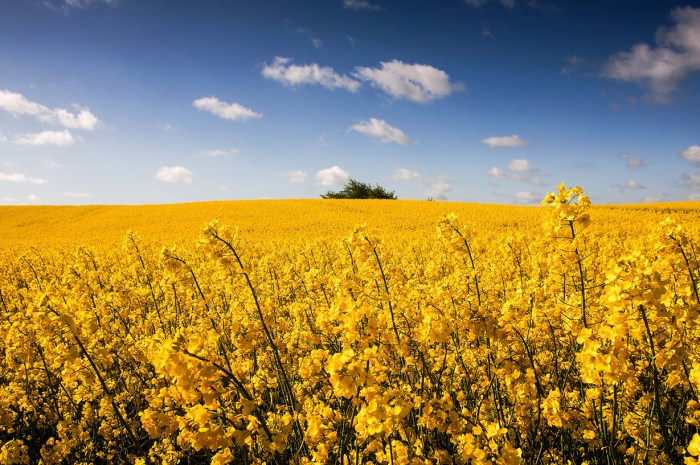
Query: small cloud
[(510, 4), (382, 130), (661, 68), (33, 198), (317, 43), (219, 153), (404, 174), (166, 127), (486, 32), (60, 138), (632, 161), (281, 70), (21, 177), (692, 154), (649, 199), (227, 111), (416, 82), (332, 176), (632, 184), (519, 169), (65, 6), (692, 181), (7, 200), (505, 141), (3, 138), (174, 174), (77, 195), (50, 164), (296, 176), (437, 187), (572, 64), (358, 5), (17, 104), (527, 197)]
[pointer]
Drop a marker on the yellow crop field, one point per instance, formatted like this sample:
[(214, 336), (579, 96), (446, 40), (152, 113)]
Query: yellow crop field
[(320, 331)]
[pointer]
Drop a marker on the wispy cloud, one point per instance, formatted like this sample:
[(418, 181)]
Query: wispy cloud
[(660, 68), (21, 177), (416, 82), (174, 174), (505, 141), (332, 176), (528, 197), (572, 64), (219, 153), (17, 104), (404, 174), (382, 130), (60, 138), (510, 4), (692, 154), (519, 169), (692, 181), (224, 110), (296, 176), (632, 161), (281, 70), (358, 5), (65, 6)]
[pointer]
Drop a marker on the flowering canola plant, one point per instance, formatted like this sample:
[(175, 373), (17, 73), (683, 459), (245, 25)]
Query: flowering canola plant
[(562, 334)]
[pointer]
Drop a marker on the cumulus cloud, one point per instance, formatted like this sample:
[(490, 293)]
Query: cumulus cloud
[(527, 197), (660, 68), (358, 5), (17, 104), (519, 169), (332, 176), (415, 82), (174, 174), (632, 184), (632, 161), (692, 154), (404, 174), (60, 138), (219, 153), (505, 141), (382, 130), (281, 70), (21, 177), (296, 176), (224, 110)]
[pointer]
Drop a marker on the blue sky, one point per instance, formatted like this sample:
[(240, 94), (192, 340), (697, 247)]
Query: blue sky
[(493, 101)]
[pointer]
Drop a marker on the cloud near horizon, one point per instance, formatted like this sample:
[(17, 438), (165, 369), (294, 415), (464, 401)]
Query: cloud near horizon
[(333, 176), (21, 177), (382, 130), (224, 110), (174, 174)]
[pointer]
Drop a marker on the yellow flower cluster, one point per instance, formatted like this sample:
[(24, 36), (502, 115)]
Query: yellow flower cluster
[(475, 337)]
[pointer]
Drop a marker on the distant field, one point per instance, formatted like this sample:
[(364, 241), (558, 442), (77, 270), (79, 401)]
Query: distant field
[(319, 331)]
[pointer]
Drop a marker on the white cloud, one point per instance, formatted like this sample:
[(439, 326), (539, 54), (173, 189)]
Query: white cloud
[(415, 82), (281, 70), (7, 199), (218, 153), (296, 176), (174, 174), (166, 127), (404, 174), (510, 4), (527, 197), (632, 161), (649, 198), (573, 64), (632, 184), (78, 195), (692, 180), (359, 5), (520, 165), (66, 5), (332, 176), (3, 138), (437, 187), (661, 68), (33, 198), (692, 154), (227, 111), (17, 104), (60, 138), (505, 141), (381, 129), (21, 177), (519, 169)]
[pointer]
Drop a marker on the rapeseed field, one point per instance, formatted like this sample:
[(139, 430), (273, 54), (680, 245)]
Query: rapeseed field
[(319, 331)]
